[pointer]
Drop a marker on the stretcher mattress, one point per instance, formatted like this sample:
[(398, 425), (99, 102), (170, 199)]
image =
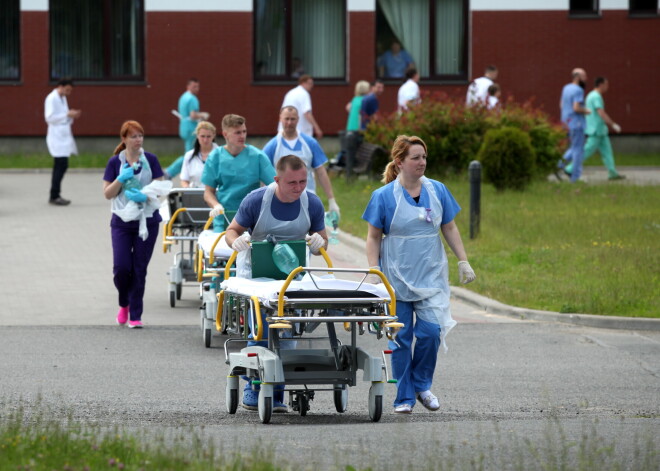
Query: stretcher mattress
[(206, 240), (267, 289)]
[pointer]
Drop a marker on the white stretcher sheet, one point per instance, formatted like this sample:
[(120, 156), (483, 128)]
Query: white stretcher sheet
[(206, 240), (267, 289)]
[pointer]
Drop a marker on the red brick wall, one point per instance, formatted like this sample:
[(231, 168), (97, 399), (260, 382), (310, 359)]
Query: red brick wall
[(534, 51)]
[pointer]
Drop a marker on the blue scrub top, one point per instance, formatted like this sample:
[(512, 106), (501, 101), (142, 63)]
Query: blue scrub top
[(381, 206), (235, 177), (187, 103), (571, 94)]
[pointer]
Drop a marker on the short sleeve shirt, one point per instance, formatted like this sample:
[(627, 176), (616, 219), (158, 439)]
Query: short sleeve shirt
[(248, 212), (409, 91), (395, 65), (596, 126), (112, 170), (187, 103), (235, 177), (570, 95), (381, 206), (300, 98)]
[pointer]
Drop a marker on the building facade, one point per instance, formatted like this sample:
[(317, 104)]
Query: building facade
[(131, 59)]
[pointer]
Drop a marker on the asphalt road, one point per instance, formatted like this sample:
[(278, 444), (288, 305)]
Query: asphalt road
[(503, 383)]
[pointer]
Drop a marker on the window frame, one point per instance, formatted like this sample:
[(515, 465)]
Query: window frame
[(288, 39), (435, 78), (638, 13), (107, 77), (594, 13), (7, 79)]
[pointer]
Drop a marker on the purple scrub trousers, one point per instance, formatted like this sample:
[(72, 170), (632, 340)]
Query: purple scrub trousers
[(131, 257)]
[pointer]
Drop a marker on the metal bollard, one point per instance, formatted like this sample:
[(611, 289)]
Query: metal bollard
[(474, 172)]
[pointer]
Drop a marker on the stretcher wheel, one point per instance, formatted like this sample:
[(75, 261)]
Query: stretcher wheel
[(207, 337), (172, 299), (303, 403), (265, 404), (232, 399), (340, 395), (375, 404), (179, 287)]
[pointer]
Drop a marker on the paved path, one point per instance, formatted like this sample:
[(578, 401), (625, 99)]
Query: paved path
[(504, 380)]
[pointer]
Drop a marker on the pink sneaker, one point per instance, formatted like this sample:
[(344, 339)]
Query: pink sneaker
[(122, 315), (134, 324)]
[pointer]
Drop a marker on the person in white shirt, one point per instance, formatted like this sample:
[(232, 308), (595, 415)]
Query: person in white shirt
[(59, 139), (494, 94), (300, 99), (478, 90), (409, 91), (195, 158)]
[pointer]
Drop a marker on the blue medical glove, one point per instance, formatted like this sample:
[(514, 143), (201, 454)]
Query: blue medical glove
[(126, 173), (136, 195)]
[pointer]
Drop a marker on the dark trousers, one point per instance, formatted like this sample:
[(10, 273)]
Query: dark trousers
[(60, 164), (131, 255)]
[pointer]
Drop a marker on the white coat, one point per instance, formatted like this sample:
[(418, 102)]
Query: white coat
[(59, 138)]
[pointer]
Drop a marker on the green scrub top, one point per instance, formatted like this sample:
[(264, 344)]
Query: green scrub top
[(596, 126), (235, 177)]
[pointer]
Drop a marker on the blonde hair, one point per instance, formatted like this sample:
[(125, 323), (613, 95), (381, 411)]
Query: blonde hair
[(232, 121), (361, 88), (126, 128), (400, 150), (206, 125)]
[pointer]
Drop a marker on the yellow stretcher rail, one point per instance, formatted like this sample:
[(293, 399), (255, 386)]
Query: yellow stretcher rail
[(212, 254), (168, 229)]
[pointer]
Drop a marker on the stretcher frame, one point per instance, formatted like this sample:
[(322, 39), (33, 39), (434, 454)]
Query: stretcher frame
[(335, 367)]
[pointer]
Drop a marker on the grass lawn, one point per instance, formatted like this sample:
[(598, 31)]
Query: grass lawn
[(567, 248)]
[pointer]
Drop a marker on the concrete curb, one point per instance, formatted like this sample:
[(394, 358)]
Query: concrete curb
[(587, 320), (495, 307)]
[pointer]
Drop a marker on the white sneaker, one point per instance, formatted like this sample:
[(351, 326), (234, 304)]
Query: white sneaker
[(428, 400), (403, 409)]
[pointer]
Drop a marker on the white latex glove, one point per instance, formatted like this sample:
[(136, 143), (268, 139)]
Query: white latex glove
[(204, 116), (616, 127), (465, 273), (242, 242), (217, 210), (332, 206), (315, 242), (373, 279)]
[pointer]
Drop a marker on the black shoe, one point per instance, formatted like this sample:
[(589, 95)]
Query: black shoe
[(617, 177), (59, 202)]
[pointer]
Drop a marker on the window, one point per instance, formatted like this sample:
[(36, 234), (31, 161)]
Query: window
[(99, 40), (9, 40), (433, 34), (584, 7), (296, 37), (644, 7)]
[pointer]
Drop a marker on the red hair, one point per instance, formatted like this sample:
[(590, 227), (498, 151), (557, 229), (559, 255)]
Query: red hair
[(127, 128)]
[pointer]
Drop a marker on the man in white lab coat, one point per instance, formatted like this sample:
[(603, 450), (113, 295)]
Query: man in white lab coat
[(60, 138)]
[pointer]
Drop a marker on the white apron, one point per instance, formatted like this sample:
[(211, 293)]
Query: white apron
[(267, 224), (305, 153), (414, 259)]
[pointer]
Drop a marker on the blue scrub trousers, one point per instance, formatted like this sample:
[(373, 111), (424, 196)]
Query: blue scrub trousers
[(575, 153), (131, 256), (413, 368)]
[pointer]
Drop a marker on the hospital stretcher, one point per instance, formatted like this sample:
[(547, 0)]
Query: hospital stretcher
[(213, 253), (188, 217), (293, 309)]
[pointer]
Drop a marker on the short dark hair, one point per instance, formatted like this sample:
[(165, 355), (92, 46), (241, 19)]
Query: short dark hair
[(304, 78), (292, 162), (491, 68), (377, 81), (411, 73), (192, 80), (64, 82), (599, 81)]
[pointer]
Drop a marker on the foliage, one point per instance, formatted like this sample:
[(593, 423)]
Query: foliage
[(508, 158), (453, 132), (559, 247)]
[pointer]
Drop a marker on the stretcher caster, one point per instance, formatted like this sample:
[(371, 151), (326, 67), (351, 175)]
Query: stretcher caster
[(179, 287), (340, 395), (172, 298), (375, 401), (265, 404), (207, 333), (232, 394)]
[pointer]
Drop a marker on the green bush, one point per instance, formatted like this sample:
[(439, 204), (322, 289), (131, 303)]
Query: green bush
[(508, 158), (453, 132)]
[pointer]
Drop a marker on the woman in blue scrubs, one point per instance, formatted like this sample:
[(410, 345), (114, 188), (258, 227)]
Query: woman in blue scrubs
[(405, 219)]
